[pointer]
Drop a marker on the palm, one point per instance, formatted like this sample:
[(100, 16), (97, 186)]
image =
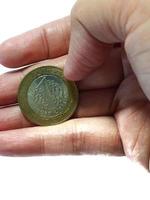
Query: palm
[(132, 116), (129, 106)]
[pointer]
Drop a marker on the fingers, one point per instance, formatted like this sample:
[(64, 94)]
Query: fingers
[(48, 41), (77, 136), (91, 103), (101, 78)]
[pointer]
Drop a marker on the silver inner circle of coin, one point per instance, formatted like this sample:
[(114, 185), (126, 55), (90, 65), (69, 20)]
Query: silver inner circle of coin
[(48, 96)]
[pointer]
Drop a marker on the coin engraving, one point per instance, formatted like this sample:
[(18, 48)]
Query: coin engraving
[(47, 96)]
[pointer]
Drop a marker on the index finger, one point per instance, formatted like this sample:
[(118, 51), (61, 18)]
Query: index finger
[(48, 41)]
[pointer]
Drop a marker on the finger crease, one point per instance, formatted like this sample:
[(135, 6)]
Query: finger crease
[(42, 144), (45, 43), (78, 140)]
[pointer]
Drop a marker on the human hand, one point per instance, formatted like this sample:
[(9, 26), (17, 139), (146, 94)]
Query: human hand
[(96, 25), (87, 131), (111, 91)]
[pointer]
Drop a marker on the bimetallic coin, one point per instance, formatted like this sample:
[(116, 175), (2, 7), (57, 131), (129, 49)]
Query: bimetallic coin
[(46, 98)]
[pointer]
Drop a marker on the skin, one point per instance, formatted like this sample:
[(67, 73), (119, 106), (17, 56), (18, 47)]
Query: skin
[(113, 113)]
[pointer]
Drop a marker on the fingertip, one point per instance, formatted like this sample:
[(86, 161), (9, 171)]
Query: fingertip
[(68, 75), (70, 71), (11, 54), (18, 51), (5, 55)]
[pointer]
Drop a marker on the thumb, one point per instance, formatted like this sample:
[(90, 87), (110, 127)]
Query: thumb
[(90, 38), (86, 53), (97, 24)]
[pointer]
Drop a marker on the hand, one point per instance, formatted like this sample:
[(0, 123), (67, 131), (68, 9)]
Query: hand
[(96, 26), (112, 90), (87, 131)]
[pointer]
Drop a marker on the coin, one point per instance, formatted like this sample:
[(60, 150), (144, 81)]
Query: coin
[(46, 98)]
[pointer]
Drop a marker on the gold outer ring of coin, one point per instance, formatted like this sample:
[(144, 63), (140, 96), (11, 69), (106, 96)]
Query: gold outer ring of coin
[(38, 118)]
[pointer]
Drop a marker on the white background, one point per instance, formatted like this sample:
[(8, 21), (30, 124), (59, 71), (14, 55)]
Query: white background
[(62, 177)]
